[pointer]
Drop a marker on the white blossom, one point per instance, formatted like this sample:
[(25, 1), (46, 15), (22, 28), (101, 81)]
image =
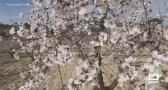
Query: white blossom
[(96, 43), (53, 12), (156, 63), (150, 67), (103, 35), (145, 35), (21, 15), (114, 40), (12, 31), (137, 88), (102, 10), (125, 65), (135, 30), (133, 73), (38, 3), (84, 13), (130, 59), (166, 80), (50, 2), (109, 24), (154, 53), (165, 34), (160, 57), (1, 38), (71, 84), (123, 78), (20, 31), (23, 75), (16, 56)]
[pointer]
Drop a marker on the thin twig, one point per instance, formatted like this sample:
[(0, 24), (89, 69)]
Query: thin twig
[(62, 83)]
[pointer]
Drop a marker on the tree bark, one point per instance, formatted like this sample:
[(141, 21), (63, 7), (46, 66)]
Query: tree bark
[(100, 81), (100, 75)]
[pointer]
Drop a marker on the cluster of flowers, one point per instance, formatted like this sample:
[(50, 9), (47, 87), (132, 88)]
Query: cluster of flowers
[(129, 72), (58, 26), (86, 73), (140, 75), (44, 50)]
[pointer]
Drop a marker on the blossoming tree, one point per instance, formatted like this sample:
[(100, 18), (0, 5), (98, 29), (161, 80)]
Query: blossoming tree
[(92, 30)]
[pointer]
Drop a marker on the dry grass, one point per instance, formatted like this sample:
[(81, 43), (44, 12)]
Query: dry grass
[(10, 79), (10, 70), (68, 71)]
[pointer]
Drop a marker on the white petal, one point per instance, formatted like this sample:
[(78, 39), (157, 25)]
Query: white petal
[(166, 80), (12, 31), (1, 38), (154, 53)]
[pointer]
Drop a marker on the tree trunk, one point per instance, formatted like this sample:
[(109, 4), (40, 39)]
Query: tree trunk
[(100, 75), (100, 81)]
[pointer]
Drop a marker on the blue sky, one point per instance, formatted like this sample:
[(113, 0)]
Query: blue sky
[(158, 5), (12, 12), (10, 9)]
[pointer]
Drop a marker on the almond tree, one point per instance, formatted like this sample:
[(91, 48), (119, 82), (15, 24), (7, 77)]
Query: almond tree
[(92, 30)]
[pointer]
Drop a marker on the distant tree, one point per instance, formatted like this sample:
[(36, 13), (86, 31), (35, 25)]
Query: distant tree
[(4, 25)]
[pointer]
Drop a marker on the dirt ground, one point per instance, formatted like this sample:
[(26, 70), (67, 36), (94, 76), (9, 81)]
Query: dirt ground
[(10, 70)]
